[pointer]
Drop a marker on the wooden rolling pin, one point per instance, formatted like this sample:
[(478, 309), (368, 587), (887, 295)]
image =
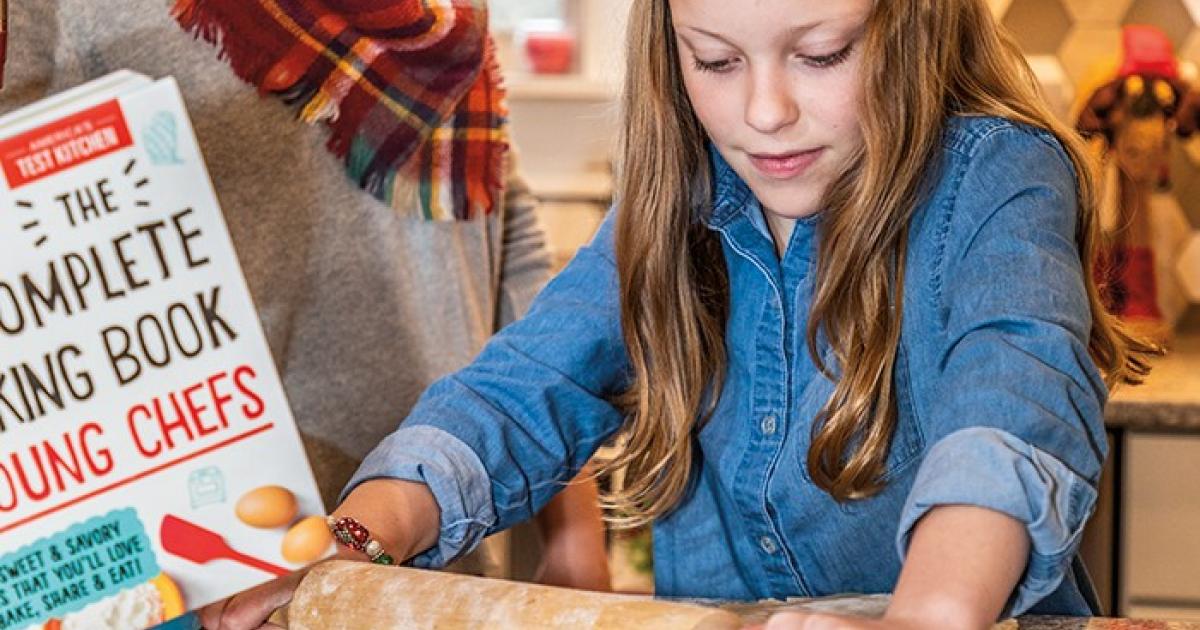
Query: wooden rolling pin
[(340, 595)]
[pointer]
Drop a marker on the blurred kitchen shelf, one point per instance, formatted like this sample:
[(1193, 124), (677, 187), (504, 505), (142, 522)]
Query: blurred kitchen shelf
[(571, 209), (569, 226), (594, 187), (567, 87)]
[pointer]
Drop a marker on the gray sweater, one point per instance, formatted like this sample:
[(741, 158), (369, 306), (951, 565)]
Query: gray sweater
[(362, 308)]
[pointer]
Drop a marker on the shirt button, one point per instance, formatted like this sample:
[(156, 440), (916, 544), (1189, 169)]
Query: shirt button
[(767, 544), (768, 424)]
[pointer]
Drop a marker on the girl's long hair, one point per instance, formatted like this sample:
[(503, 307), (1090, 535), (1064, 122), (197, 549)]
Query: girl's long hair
[(924, 61)]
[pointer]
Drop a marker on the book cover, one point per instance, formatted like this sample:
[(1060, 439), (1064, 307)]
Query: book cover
[(149, 462)]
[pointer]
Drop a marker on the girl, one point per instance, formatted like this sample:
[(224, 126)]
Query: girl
[(843, 311)]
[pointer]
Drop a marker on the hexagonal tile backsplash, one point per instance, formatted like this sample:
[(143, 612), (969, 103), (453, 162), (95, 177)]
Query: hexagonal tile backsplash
[(1170, 15), (1064, 40), (1052, 21)]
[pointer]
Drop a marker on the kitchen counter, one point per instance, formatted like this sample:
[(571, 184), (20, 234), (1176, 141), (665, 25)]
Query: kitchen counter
[(1066, 623), (874, 605), (1169, 400)]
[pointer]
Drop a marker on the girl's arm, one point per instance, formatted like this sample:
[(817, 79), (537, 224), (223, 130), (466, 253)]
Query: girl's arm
[(962, 566), (570, 525)]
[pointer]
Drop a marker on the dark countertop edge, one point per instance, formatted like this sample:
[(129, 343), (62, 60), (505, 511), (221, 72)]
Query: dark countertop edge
[(1153, 415)]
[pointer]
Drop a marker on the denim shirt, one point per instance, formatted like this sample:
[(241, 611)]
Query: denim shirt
[(1000, 405)]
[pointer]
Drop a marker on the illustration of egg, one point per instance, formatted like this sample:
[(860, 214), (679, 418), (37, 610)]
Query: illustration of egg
[(267, 507), (307, 541)]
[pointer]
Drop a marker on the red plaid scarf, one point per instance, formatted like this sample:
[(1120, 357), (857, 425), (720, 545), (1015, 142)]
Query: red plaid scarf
[(409, 88)]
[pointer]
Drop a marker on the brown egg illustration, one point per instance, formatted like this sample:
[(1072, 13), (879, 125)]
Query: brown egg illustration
[(307, 540), (267, 507)]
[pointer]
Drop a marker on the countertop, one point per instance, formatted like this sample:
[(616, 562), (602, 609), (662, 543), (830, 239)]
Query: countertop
[(874, 605), (1066, 623), (1169, 400)]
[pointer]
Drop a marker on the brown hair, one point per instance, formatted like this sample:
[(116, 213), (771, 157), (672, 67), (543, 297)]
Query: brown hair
[(926, 60)]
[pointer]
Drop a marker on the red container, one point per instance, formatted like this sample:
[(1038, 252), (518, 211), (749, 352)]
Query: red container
[(549, 51)]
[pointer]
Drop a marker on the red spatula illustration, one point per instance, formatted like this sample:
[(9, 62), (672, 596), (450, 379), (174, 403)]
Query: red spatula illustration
[(192, 542)]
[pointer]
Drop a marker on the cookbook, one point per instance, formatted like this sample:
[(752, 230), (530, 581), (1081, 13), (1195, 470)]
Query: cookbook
[(149, 462)]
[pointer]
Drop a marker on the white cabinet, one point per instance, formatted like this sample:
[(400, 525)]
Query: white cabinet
[(1162, 521)]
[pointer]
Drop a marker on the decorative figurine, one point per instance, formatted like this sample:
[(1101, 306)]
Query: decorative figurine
[(1132, 117)]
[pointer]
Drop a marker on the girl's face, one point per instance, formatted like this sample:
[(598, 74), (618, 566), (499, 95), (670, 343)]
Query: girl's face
[(775, 83)]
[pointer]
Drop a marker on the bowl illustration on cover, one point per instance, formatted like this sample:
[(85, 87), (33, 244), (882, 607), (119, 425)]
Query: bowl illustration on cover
[(145, 605)]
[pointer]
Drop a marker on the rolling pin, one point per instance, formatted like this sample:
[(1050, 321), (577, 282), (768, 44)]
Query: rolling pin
[(341, 595)]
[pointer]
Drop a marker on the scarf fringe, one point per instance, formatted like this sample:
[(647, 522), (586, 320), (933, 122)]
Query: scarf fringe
[(203, 19), (320, 107)]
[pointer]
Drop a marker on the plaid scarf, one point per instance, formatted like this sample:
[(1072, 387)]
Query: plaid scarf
[(410, 89)]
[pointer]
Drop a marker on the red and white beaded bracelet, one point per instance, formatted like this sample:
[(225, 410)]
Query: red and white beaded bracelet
[(356, 536)]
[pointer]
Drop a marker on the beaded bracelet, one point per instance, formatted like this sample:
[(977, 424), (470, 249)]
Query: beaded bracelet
[(356, 536)]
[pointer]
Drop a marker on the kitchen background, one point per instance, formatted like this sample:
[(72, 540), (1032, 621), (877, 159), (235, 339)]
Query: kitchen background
[(563, 61)]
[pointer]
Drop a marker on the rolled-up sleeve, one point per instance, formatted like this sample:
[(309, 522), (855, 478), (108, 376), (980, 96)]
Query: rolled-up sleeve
[(1015, 416), (452, 472), (498, 439), (1021, 481)]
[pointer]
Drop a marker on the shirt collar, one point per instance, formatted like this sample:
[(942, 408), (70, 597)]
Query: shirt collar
[(730, 195)]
